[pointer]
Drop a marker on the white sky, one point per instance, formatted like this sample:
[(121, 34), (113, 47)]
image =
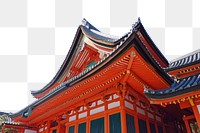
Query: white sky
[(17, 98)]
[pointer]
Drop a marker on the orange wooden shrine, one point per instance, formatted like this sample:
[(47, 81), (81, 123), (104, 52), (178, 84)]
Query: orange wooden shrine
[(108, 84)]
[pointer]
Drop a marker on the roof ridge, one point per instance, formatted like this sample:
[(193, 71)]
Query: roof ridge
[(185, 56), (65, 84), (93, 29), (185, 60), (181, 85), (88, 25)]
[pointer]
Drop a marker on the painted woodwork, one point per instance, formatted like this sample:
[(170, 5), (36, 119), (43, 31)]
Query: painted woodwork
[(103, 79)]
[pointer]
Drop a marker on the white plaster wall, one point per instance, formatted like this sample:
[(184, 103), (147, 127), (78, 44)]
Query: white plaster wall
[(150, 115), (128, 105), (97, 110), (141, 111), (113, 105), (158, 118), (198, 106), (72, 118), (29, 131), (82, 115)]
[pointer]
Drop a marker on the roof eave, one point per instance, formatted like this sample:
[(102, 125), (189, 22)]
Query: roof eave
[(48, 96), (171, 95), (148, 58), (153, 46), (182, 66), (64, 65)]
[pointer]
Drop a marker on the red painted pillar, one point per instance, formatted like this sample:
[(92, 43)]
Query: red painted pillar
[(87, 126), (164, 128), (3, 129), (187, 125), (136, 118), (196, 114), (58, 128), (87, 119), (147, 121), (48, 126), (76, 123), (106, 118), (156, 123), (23, 130), (66, 129), (122, 110), (123, 116), (136, 124)]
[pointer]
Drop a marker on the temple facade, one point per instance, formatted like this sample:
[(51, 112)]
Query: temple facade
[(110, 84)]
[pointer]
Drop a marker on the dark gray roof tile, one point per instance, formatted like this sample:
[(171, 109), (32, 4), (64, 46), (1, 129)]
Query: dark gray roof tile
[(188, 59), (183, 86)]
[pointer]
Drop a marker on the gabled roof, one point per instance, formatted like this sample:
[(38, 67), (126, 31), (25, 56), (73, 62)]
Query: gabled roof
[(152, 48), (186, 60), (182, 86), (92, 33), (105, 40), (125, 42)]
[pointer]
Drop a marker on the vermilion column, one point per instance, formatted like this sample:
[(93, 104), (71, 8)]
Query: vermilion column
[(136, 124), (136, 118), (48, 126), (21, 130), (66, 130), (123, 116), (76, 123), (106, 117), (147, 122), (187, 126), (3, 129), (196, 114), (87, 119)]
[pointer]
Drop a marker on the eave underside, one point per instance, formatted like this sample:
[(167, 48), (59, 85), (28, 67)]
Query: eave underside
[(105, 41), (102, 43), (116, 70), (185, 88)]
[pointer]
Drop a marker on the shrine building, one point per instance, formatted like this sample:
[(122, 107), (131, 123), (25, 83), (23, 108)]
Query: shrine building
[(110, 84)]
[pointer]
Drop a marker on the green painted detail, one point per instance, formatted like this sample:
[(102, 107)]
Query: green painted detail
[(71, 129), (115, 123), (91, 64), (74, 55), (130, 123), (82, 128), (152, 128), (97, 126), (142, 126), (54, 131)]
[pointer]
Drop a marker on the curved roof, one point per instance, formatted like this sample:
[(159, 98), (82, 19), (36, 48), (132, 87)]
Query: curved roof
[(123, 44), (63, 86), (91, 32), (185, 85), (99, 36), (102, 39), (189, 59)]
